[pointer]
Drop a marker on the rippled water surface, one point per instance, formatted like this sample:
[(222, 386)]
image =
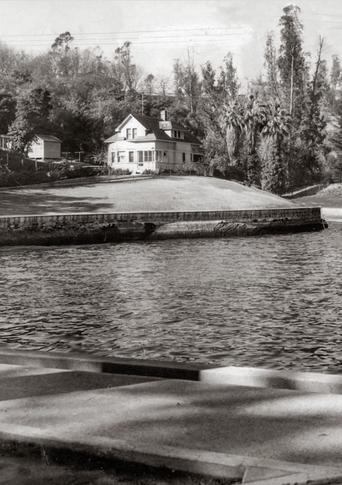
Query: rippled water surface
[(272, 301)]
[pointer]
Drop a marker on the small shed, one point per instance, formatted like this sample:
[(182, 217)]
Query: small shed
[(45, 147), (5, 142)]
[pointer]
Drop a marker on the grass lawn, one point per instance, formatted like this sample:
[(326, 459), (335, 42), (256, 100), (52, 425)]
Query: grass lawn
[(330, 196), (157, 194)]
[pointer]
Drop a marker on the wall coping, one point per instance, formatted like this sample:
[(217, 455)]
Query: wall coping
[(151, 213)]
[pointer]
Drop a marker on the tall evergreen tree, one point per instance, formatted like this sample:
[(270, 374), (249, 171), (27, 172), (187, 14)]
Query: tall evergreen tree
[(291, 62), (335, 81), (271, 68), (228, 83), (312, 129)]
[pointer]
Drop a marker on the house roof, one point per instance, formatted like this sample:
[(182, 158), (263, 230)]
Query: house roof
[(152, 125), (113, 138), (49, 138)]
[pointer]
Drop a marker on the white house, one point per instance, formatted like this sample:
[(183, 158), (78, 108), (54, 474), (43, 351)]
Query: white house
[(142, 143), (45, 147)]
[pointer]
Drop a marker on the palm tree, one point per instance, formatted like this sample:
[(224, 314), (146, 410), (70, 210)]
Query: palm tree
[(272, 148), (255, 120), (233, 125)]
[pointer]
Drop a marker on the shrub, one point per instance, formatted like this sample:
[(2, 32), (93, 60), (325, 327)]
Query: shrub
[(120, 171)]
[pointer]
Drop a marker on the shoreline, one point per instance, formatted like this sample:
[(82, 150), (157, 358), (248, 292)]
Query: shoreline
[(85, 227)]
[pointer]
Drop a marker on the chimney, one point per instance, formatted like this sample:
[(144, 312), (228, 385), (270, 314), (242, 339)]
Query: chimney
[(164, 115)]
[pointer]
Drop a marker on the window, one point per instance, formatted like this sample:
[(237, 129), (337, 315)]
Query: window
[(131, 157), (128, 133), (121, 156), (184, 157), (148, 156), (113, 157), (134, 133), (159, 155), (141, 157)]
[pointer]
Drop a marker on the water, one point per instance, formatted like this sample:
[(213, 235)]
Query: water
[(272, 301)]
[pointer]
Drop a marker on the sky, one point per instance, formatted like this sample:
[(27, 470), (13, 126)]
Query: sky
[(163, 30)]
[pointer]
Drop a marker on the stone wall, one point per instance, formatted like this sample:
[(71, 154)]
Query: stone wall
[(87, 227)]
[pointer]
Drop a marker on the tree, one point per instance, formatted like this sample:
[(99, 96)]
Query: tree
[(335, 81), (209, 86), (291, 61), (149, 84), (233, 119), (62, 42), (254, 121), (7, 111), (311, 134), (31, 117), (271, 68), (228, 83), (124, 69), (222, 120), (187, 84), (61, 54), (271, 150), (13, 64)]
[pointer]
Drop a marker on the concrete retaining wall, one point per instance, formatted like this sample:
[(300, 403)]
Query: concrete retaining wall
[(96, 228)]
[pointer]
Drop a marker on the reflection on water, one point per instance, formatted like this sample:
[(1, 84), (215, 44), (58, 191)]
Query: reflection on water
[(272, 301)]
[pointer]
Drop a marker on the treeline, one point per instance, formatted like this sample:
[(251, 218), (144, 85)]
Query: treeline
[(77, 95), (282, 131), (286, 131)]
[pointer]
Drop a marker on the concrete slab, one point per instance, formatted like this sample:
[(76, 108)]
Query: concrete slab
[(175, 423), (9, 371), (257, 435), (230, 375), (115, 365), (56, 382), (272, 378), (254, 474), (104, 453), (253, 434)]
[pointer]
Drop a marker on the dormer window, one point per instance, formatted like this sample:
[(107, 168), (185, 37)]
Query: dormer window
[(177, 134), (131, 133)]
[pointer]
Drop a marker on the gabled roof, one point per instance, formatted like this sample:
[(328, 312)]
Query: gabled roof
[(115, 137), (48, 138), (152, 125)]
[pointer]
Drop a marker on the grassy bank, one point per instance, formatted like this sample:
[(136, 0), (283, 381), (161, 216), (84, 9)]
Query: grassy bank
[(330, 196), (184, 193)]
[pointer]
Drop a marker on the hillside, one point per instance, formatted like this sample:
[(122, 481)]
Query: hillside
[(155, 194), (330, 196)]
